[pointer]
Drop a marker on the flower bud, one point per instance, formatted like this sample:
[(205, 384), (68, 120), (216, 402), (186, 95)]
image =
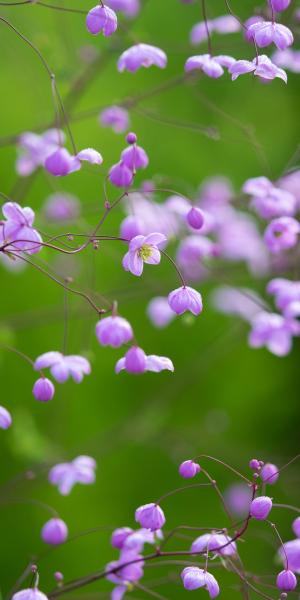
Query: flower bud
[(131, 138), (296, 527), (195, 218), (54, 532), (286, 581), (150, 516), (43, 389), (5, 418), (189, 469), (260, 507), (254, 464)]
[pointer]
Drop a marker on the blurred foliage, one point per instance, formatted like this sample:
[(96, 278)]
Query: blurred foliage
[(224, 399)]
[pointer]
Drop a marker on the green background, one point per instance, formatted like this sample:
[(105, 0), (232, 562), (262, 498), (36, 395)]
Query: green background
[(223, 399)]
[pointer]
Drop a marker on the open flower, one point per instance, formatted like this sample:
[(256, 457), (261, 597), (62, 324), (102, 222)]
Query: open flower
[(29, 594), (266, 32), (136, 361), (216, 542), (210, 65), (65, 475), (33, 149), (261, 66), (282, 234), (18, 229), (62, 367), (273, 331), (141, 55), (143, 249), (194, 578), (115, 117)]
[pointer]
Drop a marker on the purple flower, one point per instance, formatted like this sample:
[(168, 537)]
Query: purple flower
[(273, 331), (159, 312), (195, 218), (280, 5), (287, 295), (266, 32), (258, 186), (247, 33), (286, 581), (288, 59), (115, 117), (114, 331), (34, 149), (296, 526), (291, 550), (127, 573), (143, 249), (90, 155), (119, 536), (102, 18), (129, 8), (137, 539), (19, 226), (224, 24), (282, 234), (61, 163), (136, 361), (260, 507), (62, 367), (254, 464), (62, 207), (54, 532), (194, 578), (43, 389), (238, 499), (277, 203), (210, 65), (261, 66), (120, 175), (135, 158), (5, 418), (242, 302), (185, 299), (215, 542), (65, 475), (131, 227), (150, 516), (29, 594), (188, 469), (269, 473), (141, 55), (191, 251)]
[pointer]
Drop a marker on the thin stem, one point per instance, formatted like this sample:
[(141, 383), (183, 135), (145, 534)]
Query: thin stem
[(175, 267), (100, 311), (182, 489)]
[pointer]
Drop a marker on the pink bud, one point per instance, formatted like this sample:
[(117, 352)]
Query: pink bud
[(195, 218), (43, 389), (189, 469), (54, 532), (260, 507)]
